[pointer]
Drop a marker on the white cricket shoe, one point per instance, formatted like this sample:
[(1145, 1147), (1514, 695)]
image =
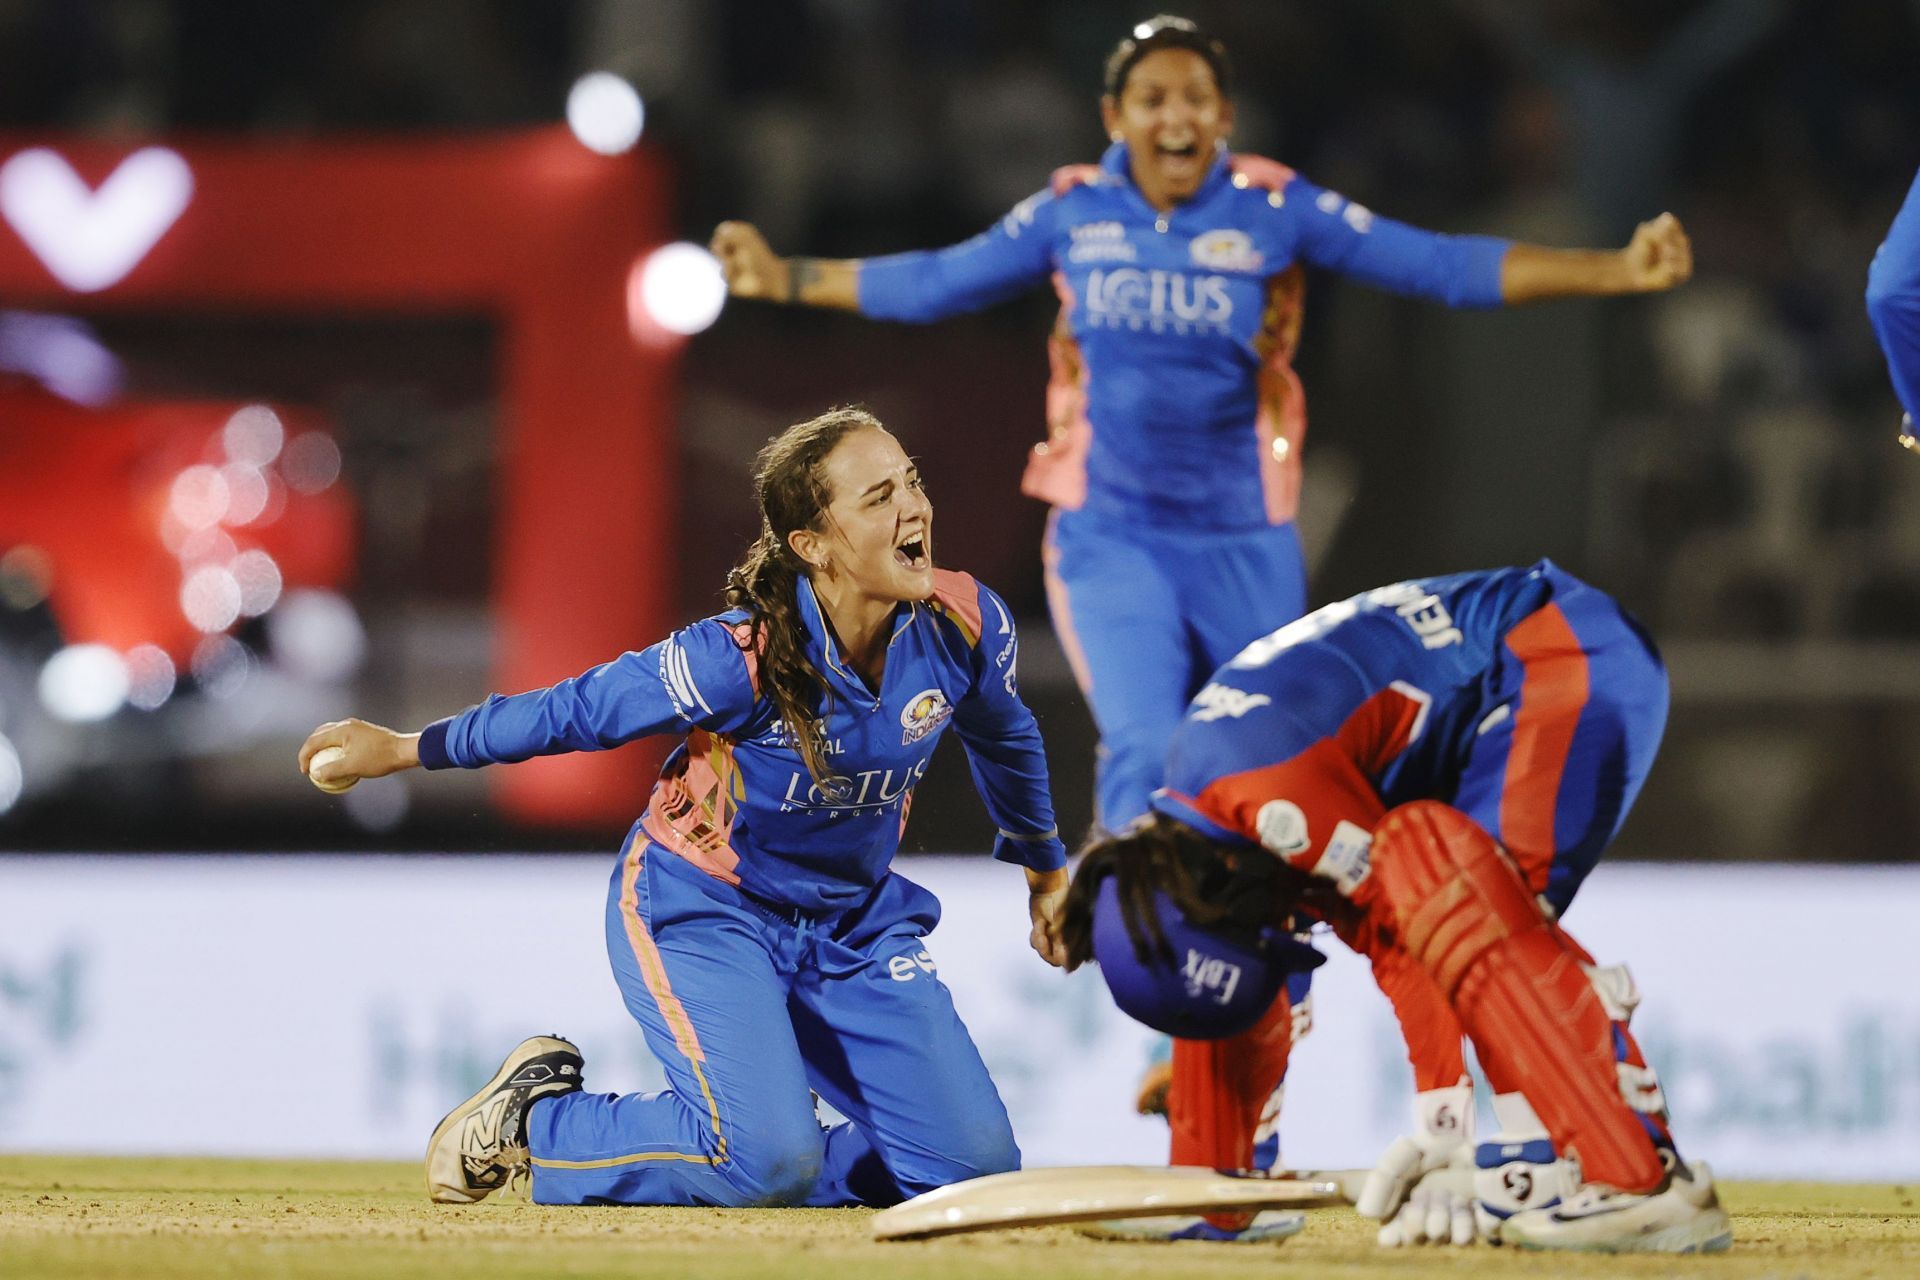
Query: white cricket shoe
[(1269, 1226), (1682, 1216), (482, 1143)]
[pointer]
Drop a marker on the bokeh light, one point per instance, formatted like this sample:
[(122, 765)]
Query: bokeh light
[(83, 683), (150, 677), (246, 492), (316, 635), (259, 579), (678, 288), (26, 576), (221, 665), (311, 462), (253, 436), (210, 598), (605, 113)]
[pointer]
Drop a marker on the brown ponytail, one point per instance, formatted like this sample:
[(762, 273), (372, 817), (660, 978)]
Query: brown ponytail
[(793, 495)]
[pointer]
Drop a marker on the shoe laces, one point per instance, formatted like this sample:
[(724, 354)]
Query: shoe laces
[(519, 1183)]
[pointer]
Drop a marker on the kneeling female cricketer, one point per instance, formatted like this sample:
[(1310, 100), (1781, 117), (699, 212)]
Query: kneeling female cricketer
[(1432, 768), (757, 930)]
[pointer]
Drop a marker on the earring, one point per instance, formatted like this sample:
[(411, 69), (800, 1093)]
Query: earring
[(1115, 135)]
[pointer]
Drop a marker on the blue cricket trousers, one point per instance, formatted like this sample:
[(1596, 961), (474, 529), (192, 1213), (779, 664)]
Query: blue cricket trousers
[(748, 1005), (1553, 774), (1146, 616)]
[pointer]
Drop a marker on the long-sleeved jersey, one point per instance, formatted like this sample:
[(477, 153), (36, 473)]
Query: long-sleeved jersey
[(1174, 402), (1306, 738), (1522, 697), (1893, 301), (736, 799)]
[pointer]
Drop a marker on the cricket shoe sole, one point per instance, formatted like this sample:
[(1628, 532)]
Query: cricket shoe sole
[(482, 1143)]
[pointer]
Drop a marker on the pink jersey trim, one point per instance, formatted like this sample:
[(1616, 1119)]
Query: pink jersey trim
[(653, 971), (691, 813), (957, 595), (1056, 471), (1069, 176), (1268, 175), (1280, 424)]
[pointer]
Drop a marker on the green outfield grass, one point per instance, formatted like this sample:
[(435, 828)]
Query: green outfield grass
[(62, 1218)]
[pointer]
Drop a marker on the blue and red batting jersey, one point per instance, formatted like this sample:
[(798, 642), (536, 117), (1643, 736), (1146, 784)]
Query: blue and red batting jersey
[(1305, 739)]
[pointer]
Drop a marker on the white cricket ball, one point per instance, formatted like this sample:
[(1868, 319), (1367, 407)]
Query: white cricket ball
[(327, 755)]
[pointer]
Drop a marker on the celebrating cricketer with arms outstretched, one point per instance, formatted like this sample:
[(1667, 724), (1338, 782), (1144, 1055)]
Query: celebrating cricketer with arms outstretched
[(1431, 768)]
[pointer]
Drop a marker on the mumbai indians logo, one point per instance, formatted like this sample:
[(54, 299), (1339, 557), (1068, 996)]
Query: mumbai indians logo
[(924, 713), (1158, 300), (1210, 977), (1226, 250)]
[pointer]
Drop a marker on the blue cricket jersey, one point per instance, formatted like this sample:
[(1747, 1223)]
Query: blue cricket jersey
[(1357, 707), (1893, 300), (1172, 320), (735, 798)]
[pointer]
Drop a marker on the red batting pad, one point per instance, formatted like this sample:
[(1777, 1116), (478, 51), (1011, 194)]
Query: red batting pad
[(1218, 1090), (1461, 910)]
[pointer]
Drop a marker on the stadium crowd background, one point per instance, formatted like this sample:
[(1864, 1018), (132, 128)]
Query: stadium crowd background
[(1721, 458)]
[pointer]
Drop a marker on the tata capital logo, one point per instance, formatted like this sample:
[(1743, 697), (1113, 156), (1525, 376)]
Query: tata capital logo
[(924, 712), (1158, 300), (1100, 242)]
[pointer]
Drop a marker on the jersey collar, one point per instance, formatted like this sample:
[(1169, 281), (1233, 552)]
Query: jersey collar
[(844, 681)]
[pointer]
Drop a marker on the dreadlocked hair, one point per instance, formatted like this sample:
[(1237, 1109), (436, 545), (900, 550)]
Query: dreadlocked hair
[(789, 481), (1212, 885)]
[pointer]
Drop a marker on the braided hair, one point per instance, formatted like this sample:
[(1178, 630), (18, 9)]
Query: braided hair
[(790, 482)]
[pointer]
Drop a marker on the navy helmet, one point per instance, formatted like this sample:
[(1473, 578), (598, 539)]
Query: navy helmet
[(1207, 983)]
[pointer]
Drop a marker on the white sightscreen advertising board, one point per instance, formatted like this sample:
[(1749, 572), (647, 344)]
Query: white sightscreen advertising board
[(338, 1005)]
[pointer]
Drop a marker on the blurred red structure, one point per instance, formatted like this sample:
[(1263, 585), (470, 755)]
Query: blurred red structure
[(530, 228), (93, 490)]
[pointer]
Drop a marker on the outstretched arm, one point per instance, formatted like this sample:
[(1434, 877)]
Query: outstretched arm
[(1477, 271), (929, 284), (754, 270), (1659, 257), (697, 677)]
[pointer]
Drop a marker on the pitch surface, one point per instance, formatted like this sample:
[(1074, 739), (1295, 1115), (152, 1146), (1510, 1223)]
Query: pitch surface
[(62, 1218)]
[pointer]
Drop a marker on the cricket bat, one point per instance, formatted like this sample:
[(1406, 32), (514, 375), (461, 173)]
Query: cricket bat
[(1084, 1193)]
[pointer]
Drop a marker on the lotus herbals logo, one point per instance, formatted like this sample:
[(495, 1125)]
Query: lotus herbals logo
[(924, 712)]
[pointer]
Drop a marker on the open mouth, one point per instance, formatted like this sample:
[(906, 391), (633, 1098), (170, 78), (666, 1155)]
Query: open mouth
[(912, 553), (1182, 151)]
